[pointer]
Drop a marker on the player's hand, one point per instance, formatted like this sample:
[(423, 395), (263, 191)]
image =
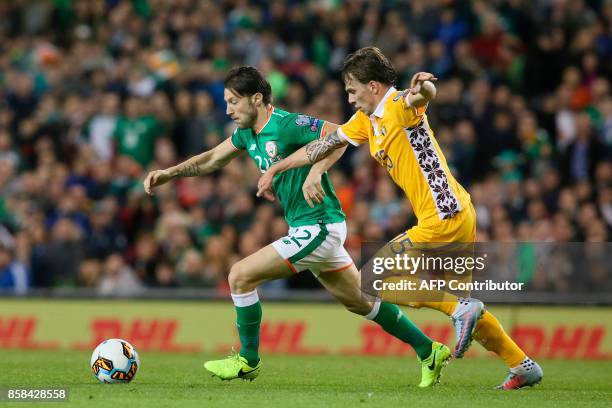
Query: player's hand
[(264, 185), (417, 81), (313, 189), (156, 178), (268, 195)]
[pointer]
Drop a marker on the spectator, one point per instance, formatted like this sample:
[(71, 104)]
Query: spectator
[(118, 278), (136, 132), (13, 274), (584, 154)]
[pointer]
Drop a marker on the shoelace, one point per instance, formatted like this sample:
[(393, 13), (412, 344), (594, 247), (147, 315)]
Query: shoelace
[(234, 355)]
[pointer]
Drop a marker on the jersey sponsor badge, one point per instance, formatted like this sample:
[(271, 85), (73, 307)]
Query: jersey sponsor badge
[(302, 120), (305, 120), (314, 125)]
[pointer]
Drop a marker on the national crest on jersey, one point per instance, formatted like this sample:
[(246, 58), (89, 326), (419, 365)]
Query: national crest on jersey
[(302, 120), (271, 150)]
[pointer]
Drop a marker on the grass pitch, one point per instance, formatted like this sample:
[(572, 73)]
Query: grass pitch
[(305, 381)]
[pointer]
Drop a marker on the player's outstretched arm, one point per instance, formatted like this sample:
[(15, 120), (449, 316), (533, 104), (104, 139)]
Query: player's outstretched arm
[(311, 153), (312, 187), (199, 165), (422, 90)]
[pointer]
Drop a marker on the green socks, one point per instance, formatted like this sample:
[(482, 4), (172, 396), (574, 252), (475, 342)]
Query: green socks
[(387, 315), (394, 322), (248, 319)]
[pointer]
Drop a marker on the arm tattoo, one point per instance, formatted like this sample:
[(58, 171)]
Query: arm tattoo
[(321, 148), (190, 170)]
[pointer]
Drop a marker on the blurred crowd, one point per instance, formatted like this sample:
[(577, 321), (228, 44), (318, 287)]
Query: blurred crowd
[(96, 93)]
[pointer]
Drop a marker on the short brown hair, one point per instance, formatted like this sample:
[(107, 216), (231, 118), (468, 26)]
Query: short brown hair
[(369, 64)]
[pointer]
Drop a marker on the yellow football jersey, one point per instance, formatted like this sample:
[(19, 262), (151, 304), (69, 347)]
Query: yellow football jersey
[(401, 141)]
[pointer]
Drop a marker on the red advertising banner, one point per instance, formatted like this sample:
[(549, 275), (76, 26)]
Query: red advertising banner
[(175, 327)]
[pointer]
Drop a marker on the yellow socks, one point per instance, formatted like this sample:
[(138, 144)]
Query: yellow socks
[(490, 333)]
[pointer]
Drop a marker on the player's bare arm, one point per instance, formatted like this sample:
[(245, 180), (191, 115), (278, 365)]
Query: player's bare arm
[(422, 90), (319, 149), (311, 153), (199, 165), (313, 188)]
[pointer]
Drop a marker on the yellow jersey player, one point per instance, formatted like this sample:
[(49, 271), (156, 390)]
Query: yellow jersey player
[(395, 126)]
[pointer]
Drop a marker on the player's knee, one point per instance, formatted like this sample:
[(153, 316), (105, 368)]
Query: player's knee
[(238, 278)]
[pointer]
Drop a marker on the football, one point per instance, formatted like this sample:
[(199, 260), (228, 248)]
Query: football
[(115, 361)]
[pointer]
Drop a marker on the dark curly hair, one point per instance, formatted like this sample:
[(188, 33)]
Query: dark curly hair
[(247, 81)]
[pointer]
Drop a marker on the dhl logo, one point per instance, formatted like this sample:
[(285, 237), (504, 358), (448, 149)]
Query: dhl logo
[(559, 341)]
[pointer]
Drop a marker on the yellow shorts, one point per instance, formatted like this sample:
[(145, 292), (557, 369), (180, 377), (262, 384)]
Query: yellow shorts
[(460, 228)]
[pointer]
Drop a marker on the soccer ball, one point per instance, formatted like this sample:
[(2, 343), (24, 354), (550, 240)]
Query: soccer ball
[(115, 361)]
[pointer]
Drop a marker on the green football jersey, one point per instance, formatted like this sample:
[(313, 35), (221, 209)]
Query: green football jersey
[(283, 134)]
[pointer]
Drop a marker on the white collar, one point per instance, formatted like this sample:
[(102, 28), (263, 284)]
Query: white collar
[(380, 109)]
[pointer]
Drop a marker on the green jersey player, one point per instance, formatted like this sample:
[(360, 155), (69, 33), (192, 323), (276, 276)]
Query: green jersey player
[(316, 236)]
